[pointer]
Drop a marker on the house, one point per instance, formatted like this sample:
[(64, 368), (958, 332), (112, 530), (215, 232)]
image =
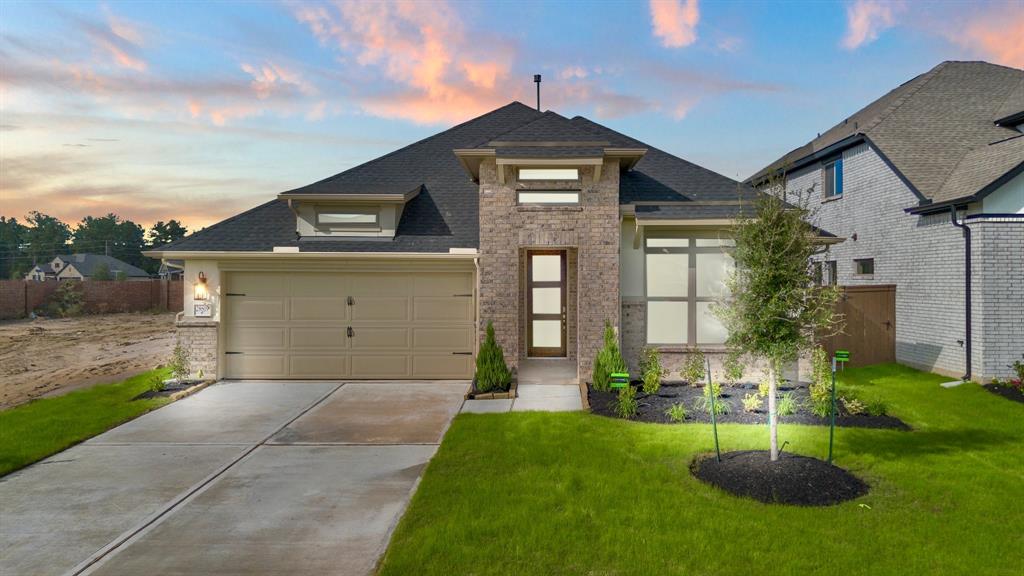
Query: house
[(927, 185), (549, 227), (40, 273), (82, 266), (171, 270)]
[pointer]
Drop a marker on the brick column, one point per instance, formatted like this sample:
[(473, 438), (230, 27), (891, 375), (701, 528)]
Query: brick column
[(198, 338)]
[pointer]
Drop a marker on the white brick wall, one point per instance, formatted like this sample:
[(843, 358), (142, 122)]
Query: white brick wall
[(923, 257), (997, 253)]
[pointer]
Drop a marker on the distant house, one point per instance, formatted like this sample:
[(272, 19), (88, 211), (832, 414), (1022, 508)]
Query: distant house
[(40, 273), (171, 269), (82, 266)]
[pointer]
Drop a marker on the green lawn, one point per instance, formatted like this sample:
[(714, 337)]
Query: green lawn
[(572, 493), (33, 431)]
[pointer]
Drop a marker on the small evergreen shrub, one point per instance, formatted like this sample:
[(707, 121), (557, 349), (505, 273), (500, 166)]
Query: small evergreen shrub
[(626, 404), (733, 368), (67, 300), (720, 405), (492, 374), (821, 386), (651, 366), (751, 402), (608, 360), (693, 368), (676, 412), (787, 404), (180, 364)]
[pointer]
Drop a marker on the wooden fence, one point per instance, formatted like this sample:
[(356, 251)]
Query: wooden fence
[(869, 332), (18, 298)]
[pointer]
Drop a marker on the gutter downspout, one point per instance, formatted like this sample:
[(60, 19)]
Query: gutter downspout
[(967, 289)]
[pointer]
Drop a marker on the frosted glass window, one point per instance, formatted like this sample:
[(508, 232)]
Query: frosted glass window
[(709, 327), (712, 271), (668, 242), (348, 218), (666, 322), (547, 334), (549, 197), (667, 275), (549, 174), (547, 300), (710, 242), (547, 268)]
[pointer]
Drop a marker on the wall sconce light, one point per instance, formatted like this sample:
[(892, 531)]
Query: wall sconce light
[(200, 291)]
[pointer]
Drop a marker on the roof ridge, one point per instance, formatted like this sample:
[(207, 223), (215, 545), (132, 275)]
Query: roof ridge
[(544, 115), (885, 114), (407, 146)]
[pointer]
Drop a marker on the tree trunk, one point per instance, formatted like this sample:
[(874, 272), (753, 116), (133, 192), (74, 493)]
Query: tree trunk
[(773, 424)]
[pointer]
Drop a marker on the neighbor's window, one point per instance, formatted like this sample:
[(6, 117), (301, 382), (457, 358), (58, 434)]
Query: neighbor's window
[(549, 174), (684, 276), (818, 274), (833, 179), (864, 266), (832, 272), (349, 218), (552, 197)]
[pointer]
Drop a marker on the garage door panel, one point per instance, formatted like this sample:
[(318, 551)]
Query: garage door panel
[(442, 365), (255, 309), (375, 338), (258, 284), (325, 309), (315, 338), (445, 285), (255, 365), (458, 339), (317, 366), (256, 337), (442, 309), (389, 285), (370, 309), (318, 285), (380, 366)]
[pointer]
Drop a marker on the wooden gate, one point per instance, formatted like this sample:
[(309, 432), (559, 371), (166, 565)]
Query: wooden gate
[(869, 331)]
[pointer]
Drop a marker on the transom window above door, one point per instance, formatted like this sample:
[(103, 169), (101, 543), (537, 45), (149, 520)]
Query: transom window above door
[(684, 275), (560, 174), (565, 197)]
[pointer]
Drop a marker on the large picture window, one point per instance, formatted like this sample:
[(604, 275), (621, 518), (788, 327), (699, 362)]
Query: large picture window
[(684, 275)]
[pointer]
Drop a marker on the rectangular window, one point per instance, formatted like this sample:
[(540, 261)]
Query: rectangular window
[(831, 272), (864, 266), (549, 174), (349, 218), (832, 179), (560, 197), (684, 277), (818, 273)]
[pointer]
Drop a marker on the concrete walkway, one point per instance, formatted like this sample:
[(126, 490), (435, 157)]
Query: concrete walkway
[(244, 478), (545, 384)]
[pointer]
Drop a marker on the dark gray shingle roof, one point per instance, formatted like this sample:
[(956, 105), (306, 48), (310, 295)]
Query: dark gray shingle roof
[(86, 265), (926, 126)]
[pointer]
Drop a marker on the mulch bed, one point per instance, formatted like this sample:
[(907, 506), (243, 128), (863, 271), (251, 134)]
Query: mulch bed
[(651, 408), (1008, 392), (169, 389), (794, 480)]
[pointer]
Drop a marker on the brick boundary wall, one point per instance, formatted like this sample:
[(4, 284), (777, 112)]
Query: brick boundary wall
[(20, 297)]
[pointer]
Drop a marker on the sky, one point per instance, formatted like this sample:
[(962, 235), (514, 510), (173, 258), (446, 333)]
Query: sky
[(197, 111)]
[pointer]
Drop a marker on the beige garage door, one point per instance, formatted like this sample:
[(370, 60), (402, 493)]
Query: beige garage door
[(348, 325)]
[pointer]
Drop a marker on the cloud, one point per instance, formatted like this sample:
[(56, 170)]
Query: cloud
[(996, 35), (120, 39), (675, 21), (865, 19)]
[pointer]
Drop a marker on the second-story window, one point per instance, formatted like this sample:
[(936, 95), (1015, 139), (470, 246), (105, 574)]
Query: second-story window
[(553, 174), (549, 197), (832, 179), (353, 218)]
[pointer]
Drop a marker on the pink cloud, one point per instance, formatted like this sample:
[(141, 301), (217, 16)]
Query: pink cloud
[(996, 35), (865, 19), (675, 21)]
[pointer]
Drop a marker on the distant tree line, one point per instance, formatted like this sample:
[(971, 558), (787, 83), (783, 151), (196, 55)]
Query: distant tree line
[(41, 237)]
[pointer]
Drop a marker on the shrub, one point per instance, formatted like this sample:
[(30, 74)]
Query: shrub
[(733, 368), (180, 364), (821, 385), (608, 360), (876, 407), (121, 276), (156, 383), (693, 368), (787, 404), (676, 412), (491, 371), (651, 366), (67, 300), (853, 406), (704, 402), (762, 389), (1018, 367), (626, 405), (102, 272), (752, 402)]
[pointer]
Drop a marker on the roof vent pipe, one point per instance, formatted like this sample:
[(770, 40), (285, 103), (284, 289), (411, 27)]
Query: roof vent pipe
[(536, 79)]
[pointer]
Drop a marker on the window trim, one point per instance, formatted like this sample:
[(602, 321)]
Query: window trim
[(832, 269), (857, 266), (351, 227), (692, 299), (836, 181), (520, 202)]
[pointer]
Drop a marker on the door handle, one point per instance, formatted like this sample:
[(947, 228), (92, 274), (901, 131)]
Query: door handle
[(351, 333), (350, 301)]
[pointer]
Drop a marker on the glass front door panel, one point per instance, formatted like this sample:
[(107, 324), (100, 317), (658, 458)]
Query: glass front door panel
[(546, 303)]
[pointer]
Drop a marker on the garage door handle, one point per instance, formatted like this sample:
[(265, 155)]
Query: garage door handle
[(234, 294), (463, 353), (350, 332), (234, 352), (350, 301), (462, 295)]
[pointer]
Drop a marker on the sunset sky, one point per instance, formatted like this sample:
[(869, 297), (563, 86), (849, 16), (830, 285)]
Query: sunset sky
[(196, 112)]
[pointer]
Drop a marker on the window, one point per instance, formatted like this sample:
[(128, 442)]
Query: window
[(550, 197), (549, 174), (817, 274), (684, 276), (832, 272), (864, 266), (833, 179), (349, 218)]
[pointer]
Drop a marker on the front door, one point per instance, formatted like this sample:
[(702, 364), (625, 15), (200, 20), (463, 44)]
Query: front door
[(545, 303)]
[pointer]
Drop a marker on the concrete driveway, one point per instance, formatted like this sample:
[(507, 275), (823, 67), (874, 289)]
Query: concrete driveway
[(242, 478)]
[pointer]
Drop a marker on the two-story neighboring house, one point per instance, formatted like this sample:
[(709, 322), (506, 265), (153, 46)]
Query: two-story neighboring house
[(927, 186), (544, 225)]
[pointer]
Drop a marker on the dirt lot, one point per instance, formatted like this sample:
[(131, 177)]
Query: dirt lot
[(50, 357)]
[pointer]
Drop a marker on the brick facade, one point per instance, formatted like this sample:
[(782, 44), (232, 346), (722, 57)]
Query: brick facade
[(997, 293), (590, 234), (198, 338)]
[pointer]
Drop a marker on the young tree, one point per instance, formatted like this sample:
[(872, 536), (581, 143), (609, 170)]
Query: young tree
[(45, 237), (12, 257), (775, 309)]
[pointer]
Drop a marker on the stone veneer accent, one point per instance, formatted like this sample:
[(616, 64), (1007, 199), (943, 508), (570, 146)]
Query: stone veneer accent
[(590, 232), (198, 337)]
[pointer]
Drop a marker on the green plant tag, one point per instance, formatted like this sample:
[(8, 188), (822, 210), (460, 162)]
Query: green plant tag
[(842, 355)]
